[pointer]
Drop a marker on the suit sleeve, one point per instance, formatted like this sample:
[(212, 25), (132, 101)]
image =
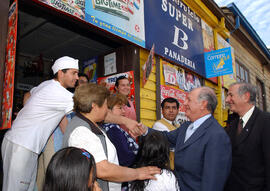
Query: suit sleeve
[(266, 149), (171, 136), (217, 162)]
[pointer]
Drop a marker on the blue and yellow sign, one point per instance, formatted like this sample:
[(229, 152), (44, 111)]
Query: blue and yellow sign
[(218, 62)]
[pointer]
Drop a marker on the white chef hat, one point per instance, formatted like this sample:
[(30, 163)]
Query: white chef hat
[(65, 62)]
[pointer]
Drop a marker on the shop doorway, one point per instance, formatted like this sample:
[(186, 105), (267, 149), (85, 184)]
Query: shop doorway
[(45, 35)]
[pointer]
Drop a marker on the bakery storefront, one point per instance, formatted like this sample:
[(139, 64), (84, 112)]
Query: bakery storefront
[(113, 38)]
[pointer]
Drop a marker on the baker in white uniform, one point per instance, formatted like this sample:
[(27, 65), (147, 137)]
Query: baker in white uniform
[(47, 105)]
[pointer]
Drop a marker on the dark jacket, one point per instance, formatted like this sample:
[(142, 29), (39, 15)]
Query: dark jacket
[(250, 153)]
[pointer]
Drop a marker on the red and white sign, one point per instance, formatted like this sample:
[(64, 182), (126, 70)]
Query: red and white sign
[(174, 93)]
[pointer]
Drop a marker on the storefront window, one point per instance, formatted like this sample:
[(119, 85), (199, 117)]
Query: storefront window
[(242, 73)]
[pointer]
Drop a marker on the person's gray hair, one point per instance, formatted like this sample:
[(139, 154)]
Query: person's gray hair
[(246, 87), (209, 95)]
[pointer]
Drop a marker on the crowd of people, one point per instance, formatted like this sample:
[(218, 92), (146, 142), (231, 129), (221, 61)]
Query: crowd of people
[(96, 143)]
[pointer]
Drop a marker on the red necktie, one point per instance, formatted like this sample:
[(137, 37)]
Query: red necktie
[(240, 126)]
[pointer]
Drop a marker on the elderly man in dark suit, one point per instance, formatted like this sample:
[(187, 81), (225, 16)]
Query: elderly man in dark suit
[(249, 130), (202, 147)]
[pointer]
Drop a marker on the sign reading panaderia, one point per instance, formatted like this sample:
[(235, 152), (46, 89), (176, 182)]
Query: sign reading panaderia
[(176, 32), (124, 18)]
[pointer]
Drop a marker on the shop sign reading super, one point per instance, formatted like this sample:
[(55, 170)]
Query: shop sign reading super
[(176, 32)]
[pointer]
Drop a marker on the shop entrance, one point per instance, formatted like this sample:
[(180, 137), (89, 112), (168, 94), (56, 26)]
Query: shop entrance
[(45, 35)]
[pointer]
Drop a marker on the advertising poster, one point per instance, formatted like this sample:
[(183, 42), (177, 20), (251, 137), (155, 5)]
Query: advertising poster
[(90, 69), (124, 18), (170, 74), (208, 37), (177, 76), (109, 82), (208, 42), (181, 40), (191, 81), (180, 78), (110, 64), (230, 78), (218, 62), (147, 67), (8, 89), (73, 7), (180, 96)]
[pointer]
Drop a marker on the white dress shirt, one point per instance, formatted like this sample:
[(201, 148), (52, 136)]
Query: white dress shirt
[(247, 115)]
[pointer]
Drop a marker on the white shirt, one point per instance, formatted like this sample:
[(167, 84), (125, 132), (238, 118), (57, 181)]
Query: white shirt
[(247, 115), (82, 137), (160, 126), (47, 105), (165, 182)]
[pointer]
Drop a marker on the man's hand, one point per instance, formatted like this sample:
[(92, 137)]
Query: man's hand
[(147, 172), (135, 128)]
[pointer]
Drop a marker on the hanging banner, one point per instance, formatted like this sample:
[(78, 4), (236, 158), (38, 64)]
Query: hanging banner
[(176, 32), (124, 18), (72, 7), (218, 62), (109, 82), (10, 66), (90, 69), (147, 67)]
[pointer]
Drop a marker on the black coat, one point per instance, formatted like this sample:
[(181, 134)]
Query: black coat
[(250, 153)]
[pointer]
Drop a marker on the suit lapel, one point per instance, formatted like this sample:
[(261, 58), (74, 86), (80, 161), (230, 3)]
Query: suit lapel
[(247, 129), (197, 134)]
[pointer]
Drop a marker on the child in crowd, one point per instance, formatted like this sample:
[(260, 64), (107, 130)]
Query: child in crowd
[(154, 150), (71, 169)]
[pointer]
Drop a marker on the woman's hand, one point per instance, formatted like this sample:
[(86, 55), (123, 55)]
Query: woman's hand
[(147, 172)]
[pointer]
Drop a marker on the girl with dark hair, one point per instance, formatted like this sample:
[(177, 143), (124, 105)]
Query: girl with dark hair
[(71, 169), (154, 150)]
